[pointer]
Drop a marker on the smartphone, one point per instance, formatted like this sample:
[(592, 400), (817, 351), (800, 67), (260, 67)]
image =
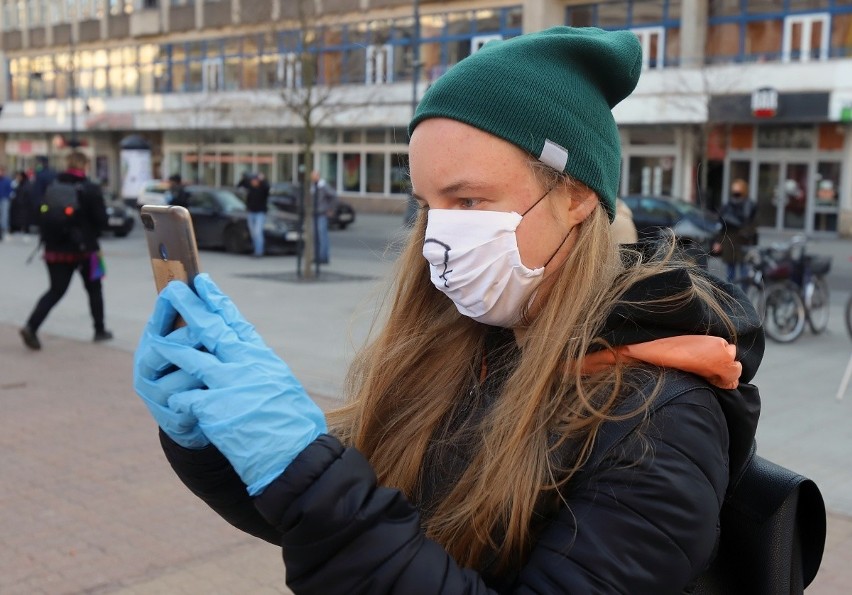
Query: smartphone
[(171, 244)]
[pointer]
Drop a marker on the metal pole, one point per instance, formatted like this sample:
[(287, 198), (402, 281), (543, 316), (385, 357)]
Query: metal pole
[(72, 91), (415, 56)]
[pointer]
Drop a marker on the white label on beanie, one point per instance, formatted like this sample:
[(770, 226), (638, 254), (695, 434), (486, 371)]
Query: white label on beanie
[(554, 155)]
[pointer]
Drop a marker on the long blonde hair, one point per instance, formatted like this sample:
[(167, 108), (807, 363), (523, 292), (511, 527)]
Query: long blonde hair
[(405, 383)]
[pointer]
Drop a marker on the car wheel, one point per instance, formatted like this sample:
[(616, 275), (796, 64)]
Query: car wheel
[(342, 225), (236, 240)]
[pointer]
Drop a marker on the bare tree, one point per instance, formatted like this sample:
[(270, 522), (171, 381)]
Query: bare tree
[(311, 94)]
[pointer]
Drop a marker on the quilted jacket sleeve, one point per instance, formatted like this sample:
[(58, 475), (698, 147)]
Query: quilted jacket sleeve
[(645, 522)]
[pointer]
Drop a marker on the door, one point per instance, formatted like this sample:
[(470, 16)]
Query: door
[(782, 195)]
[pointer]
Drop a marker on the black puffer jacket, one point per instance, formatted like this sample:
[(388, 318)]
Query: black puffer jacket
[(91, 219), (644, 521)]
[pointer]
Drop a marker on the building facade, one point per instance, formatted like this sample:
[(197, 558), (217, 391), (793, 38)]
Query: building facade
[(752, 89)]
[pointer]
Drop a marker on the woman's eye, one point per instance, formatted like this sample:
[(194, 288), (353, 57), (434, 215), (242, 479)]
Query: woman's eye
[(468, 203)]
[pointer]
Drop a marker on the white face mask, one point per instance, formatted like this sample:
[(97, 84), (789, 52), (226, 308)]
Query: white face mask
[(474, 259)]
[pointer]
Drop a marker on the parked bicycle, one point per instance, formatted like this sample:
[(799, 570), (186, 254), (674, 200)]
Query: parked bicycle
[(788, 288)]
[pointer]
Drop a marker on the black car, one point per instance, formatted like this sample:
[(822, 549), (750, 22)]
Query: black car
[(695, 229), (220, 220), (286, 196), (120, 218)]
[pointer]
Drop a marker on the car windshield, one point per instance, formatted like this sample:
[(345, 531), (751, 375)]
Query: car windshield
[(685, 208), (229, 201)]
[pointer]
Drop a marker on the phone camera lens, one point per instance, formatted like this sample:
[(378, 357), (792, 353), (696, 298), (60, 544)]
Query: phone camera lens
[(163, 254)]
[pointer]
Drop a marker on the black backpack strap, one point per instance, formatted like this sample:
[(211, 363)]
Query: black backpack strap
[(613, 433)]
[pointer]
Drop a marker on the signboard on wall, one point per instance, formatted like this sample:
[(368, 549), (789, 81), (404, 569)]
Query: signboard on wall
[(781, 107)]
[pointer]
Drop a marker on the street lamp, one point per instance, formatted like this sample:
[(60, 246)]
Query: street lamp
[(415, 56), (72, 92)]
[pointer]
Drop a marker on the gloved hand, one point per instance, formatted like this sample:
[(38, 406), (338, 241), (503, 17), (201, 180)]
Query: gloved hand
[(253, 409), (156, 379)]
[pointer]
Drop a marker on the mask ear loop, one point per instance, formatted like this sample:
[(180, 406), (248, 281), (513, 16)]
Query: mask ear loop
[(562, 243)]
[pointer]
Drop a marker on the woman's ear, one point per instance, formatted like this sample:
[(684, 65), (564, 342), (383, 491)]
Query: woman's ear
[(582, 204)]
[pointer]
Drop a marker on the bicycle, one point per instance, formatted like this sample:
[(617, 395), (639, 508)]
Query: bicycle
[(788, 289)]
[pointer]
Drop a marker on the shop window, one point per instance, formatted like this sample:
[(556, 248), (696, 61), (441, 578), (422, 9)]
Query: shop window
[(399, 178), (328, 168), (284, 171), (806, 37), (651, 175), (653, 40), (827, 182), (647, 12), (351, 172), (375, 172), (379, 64)]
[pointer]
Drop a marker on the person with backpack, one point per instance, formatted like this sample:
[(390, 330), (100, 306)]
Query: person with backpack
[(516, 334), (739, 231), (72, 215)]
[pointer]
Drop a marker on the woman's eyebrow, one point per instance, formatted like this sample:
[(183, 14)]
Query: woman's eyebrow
[(456, 188)]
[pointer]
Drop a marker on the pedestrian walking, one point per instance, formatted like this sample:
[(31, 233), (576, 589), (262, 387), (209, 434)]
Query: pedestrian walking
[(257, 202), (177, 194), (457, 464), (5, 203), (325, 201), (21, 199), (73, 215), (739, 230)]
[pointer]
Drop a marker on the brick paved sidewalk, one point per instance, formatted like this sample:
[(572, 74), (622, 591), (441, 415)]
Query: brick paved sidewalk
[(89, 505)]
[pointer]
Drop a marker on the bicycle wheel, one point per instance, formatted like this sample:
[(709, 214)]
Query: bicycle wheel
[(755, 293), (785, 313), (817, 303)]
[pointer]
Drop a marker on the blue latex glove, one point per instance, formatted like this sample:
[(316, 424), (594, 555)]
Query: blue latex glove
[(253, 409), (156, 379)]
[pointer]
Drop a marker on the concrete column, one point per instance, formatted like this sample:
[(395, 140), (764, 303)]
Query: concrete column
[(693, 33), (541, 14), (165, 25), (199, 14), (104, 19), (236, 12)]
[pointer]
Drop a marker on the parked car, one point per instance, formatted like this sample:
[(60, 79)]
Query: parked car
[(220, 220), (120, 218), (153, 193), (695, 228), (286, 195)]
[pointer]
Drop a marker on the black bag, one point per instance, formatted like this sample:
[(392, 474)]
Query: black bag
[(772, 533), (772, 523), (58, 212)]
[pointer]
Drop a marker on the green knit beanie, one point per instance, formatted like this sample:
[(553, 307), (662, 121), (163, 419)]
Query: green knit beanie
[(550, 93)]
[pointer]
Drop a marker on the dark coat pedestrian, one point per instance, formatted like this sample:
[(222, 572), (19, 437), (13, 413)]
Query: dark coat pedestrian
[(77, 251)]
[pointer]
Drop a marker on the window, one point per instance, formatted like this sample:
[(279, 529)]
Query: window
[(289, 73), (379, 64), (805, 37), (212, 75), (478, 41), (653, 40)]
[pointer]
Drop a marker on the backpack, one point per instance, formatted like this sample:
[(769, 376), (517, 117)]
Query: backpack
[(59, 213), (772, 522)]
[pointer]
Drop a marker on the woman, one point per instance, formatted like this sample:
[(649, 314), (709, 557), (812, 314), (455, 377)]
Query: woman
[(457, 465)]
